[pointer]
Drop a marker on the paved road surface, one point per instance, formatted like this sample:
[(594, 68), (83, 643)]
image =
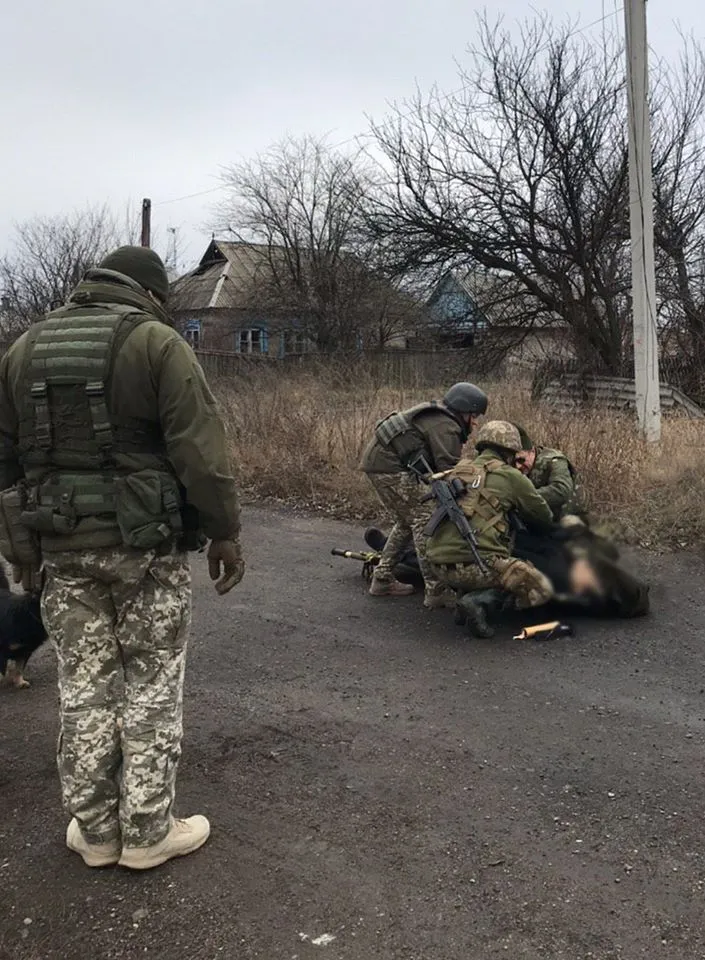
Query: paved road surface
[(374, 778)]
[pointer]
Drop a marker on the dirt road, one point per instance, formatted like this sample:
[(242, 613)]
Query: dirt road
[(379, 787)]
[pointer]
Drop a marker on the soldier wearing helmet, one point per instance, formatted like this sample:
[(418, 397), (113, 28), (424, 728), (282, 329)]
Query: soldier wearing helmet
[(493, 489), (437, 432)]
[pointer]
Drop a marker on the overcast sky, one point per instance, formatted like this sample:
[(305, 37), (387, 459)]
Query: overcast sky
[(113, 102)]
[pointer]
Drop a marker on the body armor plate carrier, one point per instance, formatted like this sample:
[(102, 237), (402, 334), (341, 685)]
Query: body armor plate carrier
[(67, 440)]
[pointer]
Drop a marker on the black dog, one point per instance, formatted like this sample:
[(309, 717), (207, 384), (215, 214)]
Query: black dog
[(21, 631)]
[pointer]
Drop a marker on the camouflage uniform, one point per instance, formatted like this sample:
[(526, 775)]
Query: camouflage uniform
[(401, 493), (528, 586), (554, 477), (503, 489), (119, 621), (107, 420), (439, 434)]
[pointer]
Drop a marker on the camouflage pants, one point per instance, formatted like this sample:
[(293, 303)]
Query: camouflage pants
[(401, 494), (519, 577), (119, 620)]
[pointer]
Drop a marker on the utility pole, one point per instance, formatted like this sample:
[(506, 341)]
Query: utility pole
[(146, 222), (173, 256), (641, 217)]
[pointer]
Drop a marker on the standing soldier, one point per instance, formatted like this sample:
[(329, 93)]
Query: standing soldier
[(113, 457), (484, 573), (436, 431)]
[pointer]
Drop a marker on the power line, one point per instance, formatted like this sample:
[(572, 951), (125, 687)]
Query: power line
[(189, 196), (404, 116)]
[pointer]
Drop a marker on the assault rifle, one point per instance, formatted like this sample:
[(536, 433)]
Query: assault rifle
[(446, 496)]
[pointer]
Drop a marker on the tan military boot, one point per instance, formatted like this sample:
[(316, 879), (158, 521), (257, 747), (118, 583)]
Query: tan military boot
[(94, 854), (184, 837), (390, 588)]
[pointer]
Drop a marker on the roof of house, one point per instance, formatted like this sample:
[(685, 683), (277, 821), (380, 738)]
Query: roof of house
[(224, 279), (502, 298), (234, 276)]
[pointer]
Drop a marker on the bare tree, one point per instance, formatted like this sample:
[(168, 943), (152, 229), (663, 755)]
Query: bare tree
[(679, 221), (524, 172), (304, 202), (49, 257)]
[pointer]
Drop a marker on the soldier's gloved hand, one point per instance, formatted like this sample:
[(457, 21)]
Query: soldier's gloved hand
[(29, 576), (227, 553)]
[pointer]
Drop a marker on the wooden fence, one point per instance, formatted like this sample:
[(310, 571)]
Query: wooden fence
[(409, 369)]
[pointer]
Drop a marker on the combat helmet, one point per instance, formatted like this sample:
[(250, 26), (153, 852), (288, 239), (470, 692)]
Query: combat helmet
[(498, 433), (466, 398)]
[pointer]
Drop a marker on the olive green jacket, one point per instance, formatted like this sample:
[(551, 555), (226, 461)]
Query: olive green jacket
[(440, 435), (553, 476), (513, 492), (157, 380)]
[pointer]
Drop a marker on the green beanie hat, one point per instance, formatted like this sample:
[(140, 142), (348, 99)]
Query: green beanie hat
[(526, 441), (142, 265)]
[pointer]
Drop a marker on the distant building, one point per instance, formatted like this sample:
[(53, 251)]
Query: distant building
[(217, 305), (230, 303), (472, 307)]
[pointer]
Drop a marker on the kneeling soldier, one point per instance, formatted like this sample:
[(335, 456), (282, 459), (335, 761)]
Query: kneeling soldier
[(479, 565)]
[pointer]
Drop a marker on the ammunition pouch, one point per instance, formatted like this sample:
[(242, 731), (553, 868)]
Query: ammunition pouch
[(148, 508), (145, 505), (18, 544)]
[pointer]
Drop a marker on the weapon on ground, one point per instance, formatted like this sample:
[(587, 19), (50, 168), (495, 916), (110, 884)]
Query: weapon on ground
[(446, 495), (369, 559), (545, 631)]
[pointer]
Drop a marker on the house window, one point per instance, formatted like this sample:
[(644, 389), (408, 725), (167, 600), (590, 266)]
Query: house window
[(254, 340), (192, 333), (294, 341)]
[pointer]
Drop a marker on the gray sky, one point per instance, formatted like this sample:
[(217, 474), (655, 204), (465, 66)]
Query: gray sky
[(114, 102)]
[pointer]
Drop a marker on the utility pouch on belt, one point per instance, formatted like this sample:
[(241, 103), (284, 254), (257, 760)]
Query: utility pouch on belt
[(18, 544), (148, 508)]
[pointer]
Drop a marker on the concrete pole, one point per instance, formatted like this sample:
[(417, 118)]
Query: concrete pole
[(641, 216)]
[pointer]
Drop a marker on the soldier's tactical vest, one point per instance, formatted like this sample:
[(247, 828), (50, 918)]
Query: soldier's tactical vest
[(68, 440), (482, 508), (397, 432)]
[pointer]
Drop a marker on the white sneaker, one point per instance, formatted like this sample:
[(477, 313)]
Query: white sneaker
[(94, 854), (184, 837)]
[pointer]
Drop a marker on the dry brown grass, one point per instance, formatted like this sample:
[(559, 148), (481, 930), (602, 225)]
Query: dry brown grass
[(298, 439)]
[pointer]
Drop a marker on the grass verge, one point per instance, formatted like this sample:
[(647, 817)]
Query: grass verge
[(297, 439)]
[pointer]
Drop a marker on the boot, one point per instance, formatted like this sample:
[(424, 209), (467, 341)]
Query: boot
[(390, 588), (375, 539), (473, 610), (439, 599), (184, 837), (94, 854)]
